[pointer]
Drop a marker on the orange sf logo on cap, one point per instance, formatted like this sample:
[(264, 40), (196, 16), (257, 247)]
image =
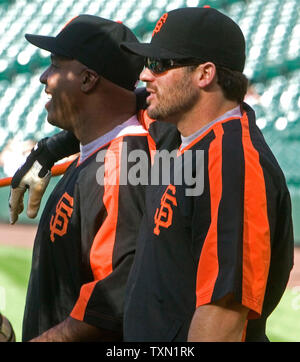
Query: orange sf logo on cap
[(159, 24)]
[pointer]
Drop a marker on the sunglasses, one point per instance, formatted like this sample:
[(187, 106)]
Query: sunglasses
[(158, 66)]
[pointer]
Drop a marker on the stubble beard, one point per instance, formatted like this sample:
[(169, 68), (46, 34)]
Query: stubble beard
[(174, 102)]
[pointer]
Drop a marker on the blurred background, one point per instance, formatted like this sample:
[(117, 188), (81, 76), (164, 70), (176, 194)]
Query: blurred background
[(272, 32)]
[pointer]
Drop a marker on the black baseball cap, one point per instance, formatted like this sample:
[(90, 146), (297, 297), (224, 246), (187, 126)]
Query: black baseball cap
[(95, 42), (193, 32)]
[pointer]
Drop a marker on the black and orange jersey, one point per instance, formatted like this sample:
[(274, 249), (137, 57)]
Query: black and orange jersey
[(86, 238), (235, 237)]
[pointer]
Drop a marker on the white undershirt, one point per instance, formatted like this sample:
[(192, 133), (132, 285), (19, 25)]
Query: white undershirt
[(131, 126), (185, 141)]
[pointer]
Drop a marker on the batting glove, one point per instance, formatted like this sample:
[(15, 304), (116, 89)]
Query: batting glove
[(34, 175)]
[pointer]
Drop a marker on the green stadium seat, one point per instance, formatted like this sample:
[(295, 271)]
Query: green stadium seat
[(271, 29)]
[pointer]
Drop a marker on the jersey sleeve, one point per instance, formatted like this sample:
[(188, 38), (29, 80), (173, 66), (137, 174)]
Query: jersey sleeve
[(112, 248), (63, 144), (235, 255)]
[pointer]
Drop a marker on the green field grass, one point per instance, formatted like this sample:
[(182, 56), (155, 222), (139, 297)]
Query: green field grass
[(283, 325), (14, 274)]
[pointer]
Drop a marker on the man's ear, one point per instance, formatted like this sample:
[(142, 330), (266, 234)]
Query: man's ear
[(89, 80), (206, 74)]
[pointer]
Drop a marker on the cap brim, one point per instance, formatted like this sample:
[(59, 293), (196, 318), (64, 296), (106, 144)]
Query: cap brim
[(47, 43), (151, 51)]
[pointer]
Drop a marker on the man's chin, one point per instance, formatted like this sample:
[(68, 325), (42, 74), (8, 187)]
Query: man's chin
[(54, 121), (51, 121), (152, 112), (156, 114)]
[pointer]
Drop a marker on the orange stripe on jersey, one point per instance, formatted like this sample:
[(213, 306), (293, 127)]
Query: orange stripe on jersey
[(101, 253), (208, 266), (244, 332), (102, 249), (256, 234), (152, 148), (196, 140), (80, 307), (144, 119)]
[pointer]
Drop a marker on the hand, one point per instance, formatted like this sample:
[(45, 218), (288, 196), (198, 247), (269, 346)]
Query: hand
[(73, 330), (34, 175), (7, 333), (224, 321)]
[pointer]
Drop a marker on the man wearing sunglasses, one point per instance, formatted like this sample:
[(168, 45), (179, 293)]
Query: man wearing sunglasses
[(211, 266)]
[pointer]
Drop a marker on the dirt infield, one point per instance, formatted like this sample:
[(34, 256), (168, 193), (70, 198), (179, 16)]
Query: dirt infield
[(17, 235), (23, 236)]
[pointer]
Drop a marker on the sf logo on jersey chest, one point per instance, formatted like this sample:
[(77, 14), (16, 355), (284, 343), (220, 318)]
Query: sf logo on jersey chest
[(164, 215), (60, 220)]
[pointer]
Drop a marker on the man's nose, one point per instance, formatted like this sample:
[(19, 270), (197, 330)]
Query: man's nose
[(147, 75), (44, 76)]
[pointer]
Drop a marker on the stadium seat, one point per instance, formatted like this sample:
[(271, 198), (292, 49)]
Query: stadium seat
[(272, 33)]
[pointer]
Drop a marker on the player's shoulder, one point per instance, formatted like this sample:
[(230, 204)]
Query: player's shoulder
[(132, 127)]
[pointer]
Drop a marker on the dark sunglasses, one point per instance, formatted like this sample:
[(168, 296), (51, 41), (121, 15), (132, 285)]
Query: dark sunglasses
[(158, 66)]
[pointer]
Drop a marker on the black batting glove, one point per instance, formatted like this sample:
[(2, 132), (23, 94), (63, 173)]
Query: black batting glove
[(34, 175)]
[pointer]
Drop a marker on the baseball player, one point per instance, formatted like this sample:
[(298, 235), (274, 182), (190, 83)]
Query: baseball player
[(85, 240), (34, 175), (209, 265)]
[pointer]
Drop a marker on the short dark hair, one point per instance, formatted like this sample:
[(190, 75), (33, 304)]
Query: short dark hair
[(234, 84)]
